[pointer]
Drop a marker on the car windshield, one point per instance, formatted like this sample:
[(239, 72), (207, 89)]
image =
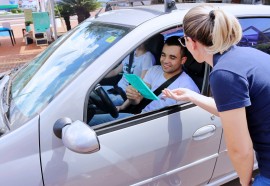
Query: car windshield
[(39, 82)]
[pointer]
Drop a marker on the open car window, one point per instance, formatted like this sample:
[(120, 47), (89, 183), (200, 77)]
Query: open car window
[(98, 108)]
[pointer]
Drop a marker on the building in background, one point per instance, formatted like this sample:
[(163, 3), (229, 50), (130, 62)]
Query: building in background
[(28, 4), (8, 2)]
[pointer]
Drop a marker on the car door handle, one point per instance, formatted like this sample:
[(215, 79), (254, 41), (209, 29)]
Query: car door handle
[(204, 132)]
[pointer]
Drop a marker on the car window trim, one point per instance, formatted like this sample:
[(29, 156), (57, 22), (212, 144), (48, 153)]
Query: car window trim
[(140, 118), (131, 27)]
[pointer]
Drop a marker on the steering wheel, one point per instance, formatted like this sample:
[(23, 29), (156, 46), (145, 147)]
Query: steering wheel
[(103, 101)]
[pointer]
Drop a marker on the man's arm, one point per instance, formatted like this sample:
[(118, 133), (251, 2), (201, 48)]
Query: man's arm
[(133, 95), (238, 142), (124, 105)]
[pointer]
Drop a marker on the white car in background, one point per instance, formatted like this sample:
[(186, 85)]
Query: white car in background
[(45, 107)]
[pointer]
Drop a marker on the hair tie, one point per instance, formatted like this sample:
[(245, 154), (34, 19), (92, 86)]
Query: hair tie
[(212, 15)]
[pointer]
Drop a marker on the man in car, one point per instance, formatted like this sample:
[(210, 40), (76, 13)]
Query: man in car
[(172, 58)]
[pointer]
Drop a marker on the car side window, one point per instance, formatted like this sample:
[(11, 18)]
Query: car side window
[(106, 100), (256, 33)]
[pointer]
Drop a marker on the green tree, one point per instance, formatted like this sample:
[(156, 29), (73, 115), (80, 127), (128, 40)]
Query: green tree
[(82, 8), (266, 2), (157, 2), (162, 1), (64, 11)]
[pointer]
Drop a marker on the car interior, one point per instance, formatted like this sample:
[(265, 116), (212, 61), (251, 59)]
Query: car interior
[(100, 102)]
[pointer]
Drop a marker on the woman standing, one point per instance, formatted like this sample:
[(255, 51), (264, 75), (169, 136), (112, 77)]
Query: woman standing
[(240, 86)]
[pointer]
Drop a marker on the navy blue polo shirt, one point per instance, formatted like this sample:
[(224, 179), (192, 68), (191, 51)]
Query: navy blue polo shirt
[(241, 78)]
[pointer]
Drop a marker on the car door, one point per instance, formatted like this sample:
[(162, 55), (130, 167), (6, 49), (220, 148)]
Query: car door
[(171, 146), (179, 145)]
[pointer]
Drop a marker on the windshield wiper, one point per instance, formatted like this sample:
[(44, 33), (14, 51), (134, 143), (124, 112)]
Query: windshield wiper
[(8, 97), (5, 98), (4, 122), (8, 86)]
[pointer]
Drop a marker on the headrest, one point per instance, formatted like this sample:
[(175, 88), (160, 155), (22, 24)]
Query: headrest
[(192, 67), (155, 45)]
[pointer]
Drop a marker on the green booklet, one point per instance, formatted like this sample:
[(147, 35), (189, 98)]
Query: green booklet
[(139, 85)]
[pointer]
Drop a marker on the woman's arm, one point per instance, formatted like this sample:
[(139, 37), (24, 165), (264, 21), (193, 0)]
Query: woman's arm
[(184, 94), (238, 142)]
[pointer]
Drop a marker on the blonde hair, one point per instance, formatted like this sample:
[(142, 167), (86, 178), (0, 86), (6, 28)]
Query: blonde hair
[(214, 28)]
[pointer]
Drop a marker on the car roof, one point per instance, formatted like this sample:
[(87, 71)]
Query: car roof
[(134, 16)]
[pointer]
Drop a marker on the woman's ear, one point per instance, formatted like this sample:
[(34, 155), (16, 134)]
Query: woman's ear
[(192, 43)]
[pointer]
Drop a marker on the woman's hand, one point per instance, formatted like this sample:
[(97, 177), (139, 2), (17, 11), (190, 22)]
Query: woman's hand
[(180, 94)]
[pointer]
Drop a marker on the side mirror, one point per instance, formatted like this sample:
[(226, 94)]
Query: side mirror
[(76, 136)]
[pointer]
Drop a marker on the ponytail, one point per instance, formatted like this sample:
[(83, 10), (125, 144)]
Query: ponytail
[(214, 28)]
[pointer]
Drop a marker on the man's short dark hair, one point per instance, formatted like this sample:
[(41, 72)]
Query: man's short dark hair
[(173, 41)]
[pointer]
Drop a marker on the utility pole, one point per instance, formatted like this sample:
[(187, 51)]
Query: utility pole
[(51, 7)]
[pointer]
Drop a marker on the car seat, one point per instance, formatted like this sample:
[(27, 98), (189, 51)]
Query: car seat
[(194, 69), (155, 45)]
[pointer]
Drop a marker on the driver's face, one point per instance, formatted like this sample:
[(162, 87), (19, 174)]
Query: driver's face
[(171, 59)]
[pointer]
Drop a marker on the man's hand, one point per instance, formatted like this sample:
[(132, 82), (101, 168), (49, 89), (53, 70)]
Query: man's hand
[(133, 95)]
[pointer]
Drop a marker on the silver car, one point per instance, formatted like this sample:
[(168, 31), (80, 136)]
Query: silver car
[(46, 105)]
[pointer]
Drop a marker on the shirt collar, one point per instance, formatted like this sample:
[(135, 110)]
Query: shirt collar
[(218, 55)]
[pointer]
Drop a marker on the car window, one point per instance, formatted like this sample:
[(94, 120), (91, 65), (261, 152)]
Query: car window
[(39, 82), (256, 33), (101, 112)]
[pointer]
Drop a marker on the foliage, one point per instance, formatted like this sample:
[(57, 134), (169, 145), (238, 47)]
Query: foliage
[(89, 5), (266, 2), (63, 10), (27, 23), (80, 7), (15, 11), (162, 1), (157, 2), (265, 47)]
